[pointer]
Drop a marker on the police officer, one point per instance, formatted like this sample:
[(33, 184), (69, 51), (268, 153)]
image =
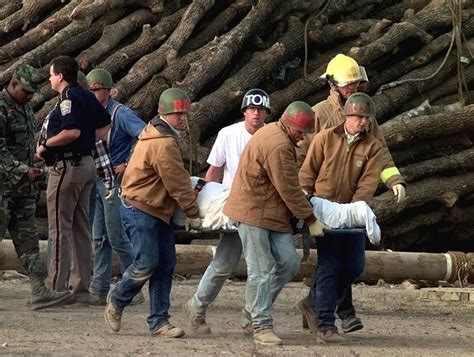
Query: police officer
[(17, 189), (73, 126)]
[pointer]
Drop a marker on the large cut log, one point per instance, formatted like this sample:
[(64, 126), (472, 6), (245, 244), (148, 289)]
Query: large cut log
[(427, 149), (459, 162), (38, 34), (29, 12), (146, 67), (112, 35), (444, 190), (399, 132), (149, 40), (435, 14), (223, 49), (390, 266)]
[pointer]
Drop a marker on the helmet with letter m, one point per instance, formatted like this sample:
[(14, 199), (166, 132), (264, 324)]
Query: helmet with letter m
[(360, 104), (299, 115), (343, 70), (173, 100)]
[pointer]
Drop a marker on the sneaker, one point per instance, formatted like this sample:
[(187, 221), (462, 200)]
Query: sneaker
[(168, 330), (329, 336), (138, 299), (112, 315), (266, 338), (247, 327), (197, 322), (308, 315), (351, 324)]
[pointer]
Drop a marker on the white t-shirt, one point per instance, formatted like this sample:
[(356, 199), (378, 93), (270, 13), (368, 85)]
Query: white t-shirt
[(229, 144)]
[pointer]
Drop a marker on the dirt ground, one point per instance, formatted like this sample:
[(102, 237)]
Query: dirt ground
[(397, 323)]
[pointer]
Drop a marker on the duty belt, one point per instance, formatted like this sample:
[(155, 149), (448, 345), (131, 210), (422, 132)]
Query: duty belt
[(74, 156)]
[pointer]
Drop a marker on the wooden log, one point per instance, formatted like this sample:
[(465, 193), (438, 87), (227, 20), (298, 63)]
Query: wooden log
[(112, 35), (90, 6), (457, 163), (146, 67), (420, 150), (444, 190), (433, 15), (400, 132), (29, 12), (39, 34), (390, 266), (225, 48), (398, 11), (9, 7), (149, 40)]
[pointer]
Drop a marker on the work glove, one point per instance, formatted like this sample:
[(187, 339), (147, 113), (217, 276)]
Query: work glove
[(316, 229), (399, 192), (193, 223)]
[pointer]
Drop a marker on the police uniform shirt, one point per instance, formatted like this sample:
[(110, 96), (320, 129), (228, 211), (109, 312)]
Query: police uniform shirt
[(77, 109)]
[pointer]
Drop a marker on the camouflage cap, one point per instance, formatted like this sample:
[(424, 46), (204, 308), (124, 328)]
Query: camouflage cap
[(28, 76)]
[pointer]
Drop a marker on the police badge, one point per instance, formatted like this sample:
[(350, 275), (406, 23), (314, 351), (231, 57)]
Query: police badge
[(65, 106)]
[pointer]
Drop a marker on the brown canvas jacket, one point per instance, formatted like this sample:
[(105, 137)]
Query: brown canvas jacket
[(155, 180), (340, 172), (329, 113), (265, 192)]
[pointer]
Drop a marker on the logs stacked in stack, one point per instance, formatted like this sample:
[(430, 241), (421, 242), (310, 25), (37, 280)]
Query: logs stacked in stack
[(216, 50)]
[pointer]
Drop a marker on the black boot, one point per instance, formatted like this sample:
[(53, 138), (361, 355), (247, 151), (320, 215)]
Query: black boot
[(41, 296)]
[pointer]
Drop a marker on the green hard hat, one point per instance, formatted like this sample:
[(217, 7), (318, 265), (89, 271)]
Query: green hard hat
[(28, 76), (360, 104), (173, 100), (101, 77), (300, 116)]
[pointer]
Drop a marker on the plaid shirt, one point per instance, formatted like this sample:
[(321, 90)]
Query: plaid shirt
[(104, 167)]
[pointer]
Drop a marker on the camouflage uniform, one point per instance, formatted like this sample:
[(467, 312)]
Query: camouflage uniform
[(17, 193)]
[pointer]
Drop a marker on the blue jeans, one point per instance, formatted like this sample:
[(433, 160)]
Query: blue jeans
[(341, 260), (224, 262), (155, 259), (271, 262), (109, 236)]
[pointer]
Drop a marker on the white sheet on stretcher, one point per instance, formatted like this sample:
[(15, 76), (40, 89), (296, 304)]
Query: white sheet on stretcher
[(347, 215), (212, 198)]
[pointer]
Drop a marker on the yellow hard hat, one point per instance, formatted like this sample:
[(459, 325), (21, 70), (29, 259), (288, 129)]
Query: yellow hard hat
[(343, 70)]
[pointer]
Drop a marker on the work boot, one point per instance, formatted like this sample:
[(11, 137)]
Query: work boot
[(87, 299), (197, 322), (41, 296), (329, 336), (112, 315), (247, 327), (351, 324), (308, 315), (266, 338), (168, 330)]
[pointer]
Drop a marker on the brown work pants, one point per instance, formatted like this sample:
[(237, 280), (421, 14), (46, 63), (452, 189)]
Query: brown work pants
[(68, 199)]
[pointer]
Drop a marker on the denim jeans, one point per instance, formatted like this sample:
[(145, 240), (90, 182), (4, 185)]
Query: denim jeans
[(225, 261), (341, 260), (109, 236), (271, 262), (154, 261)]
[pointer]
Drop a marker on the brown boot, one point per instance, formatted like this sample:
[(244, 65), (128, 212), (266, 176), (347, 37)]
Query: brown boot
[(329, 336), (41, 296), (266, 338), (197, 322)]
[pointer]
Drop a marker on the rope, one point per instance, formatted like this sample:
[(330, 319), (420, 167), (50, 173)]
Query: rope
[(461, 268), (455, 8), (306, 37)]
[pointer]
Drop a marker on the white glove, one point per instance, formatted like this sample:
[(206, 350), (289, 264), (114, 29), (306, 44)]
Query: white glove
[(193, 223), (399, 191), (316, 229)]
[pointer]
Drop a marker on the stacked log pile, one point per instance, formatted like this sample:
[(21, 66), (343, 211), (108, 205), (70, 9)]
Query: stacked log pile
[(418, 55)]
